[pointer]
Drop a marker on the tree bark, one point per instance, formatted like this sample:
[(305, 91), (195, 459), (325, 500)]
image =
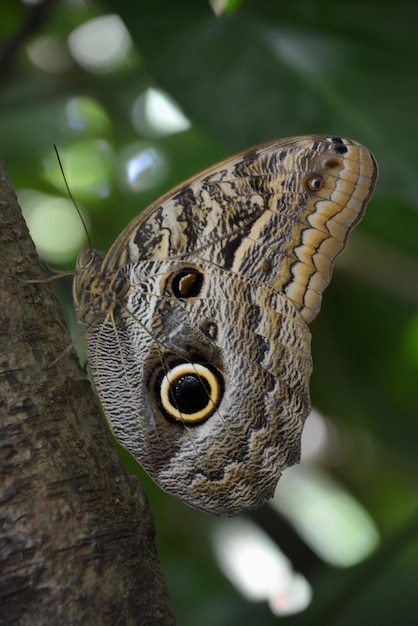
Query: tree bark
[(76, 532)]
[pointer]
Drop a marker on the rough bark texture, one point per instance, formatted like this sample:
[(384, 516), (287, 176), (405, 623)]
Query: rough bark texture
[(76, 532)]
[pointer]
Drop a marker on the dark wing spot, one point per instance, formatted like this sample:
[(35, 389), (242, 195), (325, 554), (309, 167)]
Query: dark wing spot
[(339, 146)]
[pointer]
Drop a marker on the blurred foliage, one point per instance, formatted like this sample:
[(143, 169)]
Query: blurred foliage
[(263, 70)]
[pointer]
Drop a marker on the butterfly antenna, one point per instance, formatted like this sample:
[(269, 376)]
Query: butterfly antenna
[(71, 196)]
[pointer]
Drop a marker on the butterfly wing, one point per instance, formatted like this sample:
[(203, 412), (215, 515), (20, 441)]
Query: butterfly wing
[(198, 342), (277, 214)]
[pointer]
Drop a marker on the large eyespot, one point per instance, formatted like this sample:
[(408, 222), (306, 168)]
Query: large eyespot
[(190, 392), (187, 283), (315, 183)]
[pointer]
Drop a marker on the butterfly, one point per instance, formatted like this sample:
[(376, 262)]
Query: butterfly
[(196, 320)]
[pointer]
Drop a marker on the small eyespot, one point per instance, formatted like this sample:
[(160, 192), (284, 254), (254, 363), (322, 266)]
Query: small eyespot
[(187, 283), (315, 183), (210, 329), (338, 145), (331, 163), (190, 392), (266, 266)]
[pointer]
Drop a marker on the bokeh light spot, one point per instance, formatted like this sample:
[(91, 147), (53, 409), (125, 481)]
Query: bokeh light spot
[(85, 115), (143, 166), (258, 568), (329, 519), (54, 224), (49, 54), (88, 167), (155, 114), (100, 45)]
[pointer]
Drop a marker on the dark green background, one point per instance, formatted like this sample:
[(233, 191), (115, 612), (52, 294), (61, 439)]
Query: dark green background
[(271, 69)]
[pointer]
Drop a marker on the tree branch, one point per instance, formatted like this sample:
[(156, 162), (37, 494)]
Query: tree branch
[(77, 536)]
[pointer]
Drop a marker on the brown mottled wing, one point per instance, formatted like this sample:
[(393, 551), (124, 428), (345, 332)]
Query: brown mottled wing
[(256, 215), (196, 320)]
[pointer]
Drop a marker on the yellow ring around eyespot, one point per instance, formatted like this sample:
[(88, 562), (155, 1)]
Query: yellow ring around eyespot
[(182, 370), (315, 183)]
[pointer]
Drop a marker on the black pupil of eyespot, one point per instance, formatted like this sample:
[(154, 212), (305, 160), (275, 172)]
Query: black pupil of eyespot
[(187, 284), (341, 149), (189, 393)]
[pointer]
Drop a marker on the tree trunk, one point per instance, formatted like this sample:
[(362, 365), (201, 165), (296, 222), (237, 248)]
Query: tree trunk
[(76, 532)]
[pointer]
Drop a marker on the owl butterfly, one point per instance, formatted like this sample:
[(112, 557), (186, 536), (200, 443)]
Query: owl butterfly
[(197, 318)]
